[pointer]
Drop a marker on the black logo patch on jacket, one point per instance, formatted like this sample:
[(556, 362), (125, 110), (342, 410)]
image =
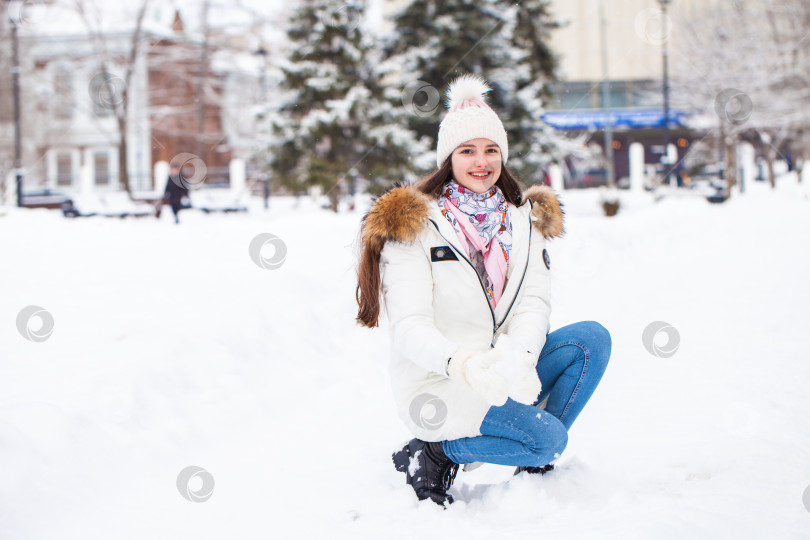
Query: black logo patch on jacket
[(442, 253), (547, 259)]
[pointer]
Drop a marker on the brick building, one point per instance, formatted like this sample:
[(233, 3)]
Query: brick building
[(70, 86)]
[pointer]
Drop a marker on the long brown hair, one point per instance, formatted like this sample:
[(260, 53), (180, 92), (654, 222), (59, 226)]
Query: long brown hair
[(368, 291)]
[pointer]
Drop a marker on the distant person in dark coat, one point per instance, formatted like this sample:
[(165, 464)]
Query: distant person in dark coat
[(175, 192)]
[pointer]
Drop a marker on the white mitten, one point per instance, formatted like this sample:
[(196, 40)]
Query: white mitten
[(526, 388), (478, 371), (519, 370)]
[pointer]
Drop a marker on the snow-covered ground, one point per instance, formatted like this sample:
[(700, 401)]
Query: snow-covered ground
[(171, 348)]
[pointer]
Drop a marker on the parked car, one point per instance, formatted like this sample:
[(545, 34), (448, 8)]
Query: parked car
[(710, 182), (219, 200), (713, 174), (44, 198), (595, 178), (591, 177), (112, 204)]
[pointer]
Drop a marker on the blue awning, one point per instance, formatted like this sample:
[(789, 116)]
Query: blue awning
[(585, 119)]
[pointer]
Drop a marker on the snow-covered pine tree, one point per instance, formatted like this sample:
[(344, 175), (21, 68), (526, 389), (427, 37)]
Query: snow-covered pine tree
[(319, 128), (436, 40), (330, 126), (396, 150)]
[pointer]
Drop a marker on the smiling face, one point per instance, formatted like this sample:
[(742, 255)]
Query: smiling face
[(476, 164)]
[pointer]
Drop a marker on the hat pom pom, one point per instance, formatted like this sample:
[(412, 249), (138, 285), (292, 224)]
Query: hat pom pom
[(466, 88)]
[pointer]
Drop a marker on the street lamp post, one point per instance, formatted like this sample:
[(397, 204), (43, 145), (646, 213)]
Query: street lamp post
[(611, 171), (668, 177)]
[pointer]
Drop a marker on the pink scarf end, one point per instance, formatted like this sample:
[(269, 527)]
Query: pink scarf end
[(494, 260)]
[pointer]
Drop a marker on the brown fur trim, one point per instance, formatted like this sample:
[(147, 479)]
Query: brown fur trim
[(399, 214), (546, 209)]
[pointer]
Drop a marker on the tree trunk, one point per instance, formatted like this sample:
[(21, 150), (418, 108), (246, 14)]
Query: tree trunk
[(120, 108), (123, 165), (334, 198), (769, 157), (124, 105), (800, 159), (730, 144)]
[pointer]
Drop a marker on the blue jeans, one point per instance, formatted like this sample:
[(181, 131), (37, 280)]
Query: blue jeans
[(570, 367)]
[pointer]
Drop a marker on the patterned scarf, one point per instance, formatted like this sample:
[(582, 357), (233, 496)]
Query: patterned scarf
[(483, 225)]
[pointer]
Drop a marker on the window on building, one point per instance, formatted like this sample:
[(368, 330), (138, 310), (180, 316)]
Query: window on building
[(574, 95), (64, 169), (588, 95), (63, 88), (105, 90), (101, 166)]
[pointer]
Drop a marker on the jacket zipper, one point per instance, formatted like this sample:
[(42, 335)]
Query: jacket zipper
[(495, 325), (483, 287), (522, 277)]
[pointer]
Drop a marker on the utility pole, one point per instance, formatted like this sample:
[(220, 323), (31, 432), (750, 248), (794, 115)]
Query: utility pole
[(15, 75), (611, 171), (202, 77)]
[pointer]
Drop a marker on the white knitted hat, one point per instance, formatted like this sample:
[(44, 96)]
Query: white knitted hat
[(469, 117)]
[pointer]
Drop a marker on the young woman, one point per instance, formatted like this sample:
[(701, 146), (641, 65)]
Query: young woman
[(460, 262)]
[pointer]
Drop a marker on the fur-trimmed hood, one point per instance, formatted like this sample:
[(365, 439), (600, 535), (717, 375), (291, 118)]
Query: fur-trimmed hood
[(401, 212)]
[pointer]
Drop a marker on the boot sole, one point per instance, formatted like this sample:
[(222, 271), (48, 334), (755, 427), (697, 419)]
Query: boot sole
[(539, 471), (402, 459)]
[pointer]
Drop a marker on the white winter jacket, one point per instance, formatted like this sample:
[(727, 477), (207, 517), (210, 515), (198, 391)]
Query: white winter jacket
[(436, 304)]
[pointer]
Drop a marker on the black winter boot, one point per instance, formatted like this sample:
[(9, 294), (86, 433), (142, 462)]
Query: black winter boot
[(535, 470), (427, 469)]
